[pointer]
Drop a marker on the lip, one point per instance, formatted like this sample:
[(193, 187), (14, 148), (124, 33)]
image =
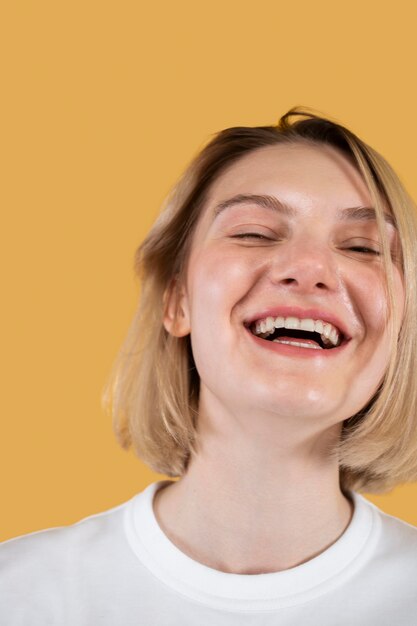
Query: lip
[(293, 311), (295, 351)]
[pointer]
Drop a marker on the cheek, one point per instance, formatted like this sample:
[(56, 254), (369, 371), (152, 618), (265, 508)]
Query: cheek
[(399, 297), (375, 348), (378, 301), (370, 301), (216, 283)]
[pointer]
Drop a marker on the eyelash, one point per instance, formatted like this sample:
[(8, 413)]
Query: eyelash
[(252, 235), (365, 250), (360, 249)]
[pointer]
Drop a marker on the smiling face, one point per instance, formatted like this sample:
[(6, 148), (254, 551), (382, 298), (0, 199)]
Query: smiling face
[(286, 232)]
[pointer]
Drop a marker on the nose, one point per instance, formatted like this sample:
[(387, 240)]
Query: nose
[(306, 265)]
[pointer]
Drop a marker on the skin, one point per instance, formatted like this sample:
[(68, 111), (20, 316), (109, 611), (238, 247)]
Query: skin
[(262, 494)]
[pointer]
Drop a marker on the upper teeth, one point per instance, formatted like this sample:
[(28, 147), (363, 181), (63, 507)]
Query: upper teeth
[(329, 334)]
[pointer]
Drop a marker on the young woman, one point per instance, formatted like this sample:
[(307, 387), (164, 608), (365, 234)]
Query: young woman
[(270, 367)]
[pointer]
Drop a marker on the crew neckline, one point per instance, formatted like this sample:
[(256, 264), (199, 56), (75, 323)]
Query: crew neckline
[(249, 592)]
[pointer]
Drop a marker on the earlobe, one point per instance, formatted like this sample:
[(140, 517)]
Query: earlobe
[(176, 315)]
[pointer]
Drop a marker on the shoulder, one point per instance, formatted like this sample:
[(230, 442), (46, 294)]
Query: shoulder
[(41, 567), (57, 540), (397, 538), (394, 527), (398, 530)]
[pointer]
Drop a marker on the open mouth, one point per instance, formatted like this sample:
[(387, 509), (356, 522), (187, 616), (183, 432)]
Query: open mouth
[(303, 333)]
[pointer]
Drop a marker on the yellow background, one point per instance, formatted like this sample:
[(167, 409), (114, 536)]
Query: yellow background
[(103, 104)]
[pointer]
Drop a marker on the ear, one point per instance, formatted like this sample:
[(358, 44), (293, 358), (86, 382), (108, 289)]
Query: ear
[(176, 311)]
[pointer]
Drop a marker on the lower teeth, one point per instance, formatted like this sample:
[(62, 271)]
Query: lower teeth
[(299, 345)]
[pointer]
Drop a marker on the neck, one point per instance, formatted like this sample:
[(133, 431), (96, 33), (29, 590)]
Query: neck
[(255, 504)]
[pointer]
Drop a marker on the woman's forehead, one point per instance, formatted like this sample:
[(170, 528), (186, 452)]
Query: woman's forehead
[(300, 177), (297, 174)]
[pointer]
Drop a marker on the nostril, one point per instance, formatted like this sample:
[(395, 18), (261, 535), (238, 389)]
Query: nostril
[(290, 281)]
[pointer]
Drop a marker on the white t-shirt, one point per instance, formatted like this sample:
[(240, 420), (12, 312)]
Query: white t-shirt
[(118, 568)]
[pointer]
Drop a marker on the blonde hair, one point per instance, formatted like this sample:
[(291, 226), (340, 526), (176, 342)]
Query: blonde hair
[(153, 389)]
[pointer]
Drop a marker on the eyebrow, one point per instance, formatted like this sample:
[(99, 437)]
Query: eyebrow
[(359, 213), (266, 202)]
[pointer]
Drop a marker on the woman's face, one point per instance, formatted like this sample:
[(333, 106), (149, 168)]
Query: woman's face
[(285, 234)]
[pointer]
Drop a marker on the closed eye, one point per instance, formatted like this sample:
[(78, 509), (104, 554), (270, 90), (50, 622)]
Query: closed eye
[(365, 250), (250, 236)]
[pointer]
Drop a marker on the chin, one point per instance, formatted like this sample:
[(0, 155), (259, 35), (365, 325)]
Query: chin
[(305, 402)]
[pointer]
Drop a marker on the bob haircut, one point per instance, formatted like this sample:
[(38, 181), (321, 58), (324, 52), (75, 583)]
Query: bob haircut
[(153, 389)]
